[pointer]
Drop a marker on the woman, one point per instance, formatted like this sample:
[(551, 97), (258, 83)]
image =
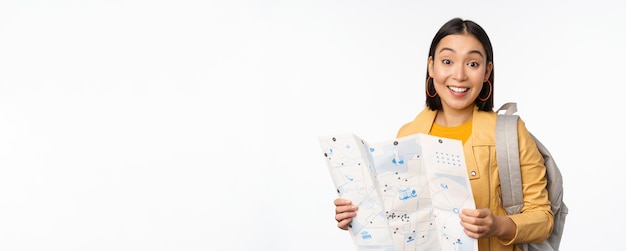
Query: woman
[(459, 100)]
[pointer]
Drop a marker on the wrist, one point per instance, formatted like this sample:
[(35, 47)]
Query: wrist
[(506, 228)]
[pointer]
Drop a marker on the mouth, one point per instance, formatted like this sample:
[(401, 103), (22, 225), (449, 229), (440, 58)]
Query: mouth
[(458, 89)]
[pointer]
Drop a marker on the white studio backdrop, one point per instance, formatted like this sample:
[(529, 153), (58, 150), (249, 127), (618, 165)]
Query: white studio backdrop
[(193, 125)]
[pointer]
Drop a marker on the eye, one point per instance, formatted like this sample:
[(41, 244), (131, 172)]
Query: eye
[(473, 64), (446, 61)]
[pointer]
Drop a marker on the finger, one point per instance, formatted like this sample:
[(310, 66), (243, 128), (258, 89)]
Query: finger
[(471, 234), (467, 219), (344, 224), (344, 209), (474, 231), (345, 215), (470, 212), (342, 202)]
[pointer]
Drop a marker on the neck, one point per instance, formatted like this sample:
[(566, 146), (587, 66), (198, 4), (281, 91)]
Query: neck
[(451, 117)]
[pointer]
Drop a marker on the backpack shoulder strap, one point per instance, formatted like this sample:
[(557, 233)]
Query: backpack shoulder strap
[(507, 153)]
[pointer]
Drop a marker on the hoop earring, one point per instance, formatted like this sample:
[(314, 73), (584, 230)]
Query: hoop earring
[(488, 95), (428, 93)]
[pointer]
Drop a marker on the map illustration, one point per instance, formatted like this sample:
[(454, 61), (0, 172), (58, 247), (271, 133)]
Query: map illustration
[(409, 190)]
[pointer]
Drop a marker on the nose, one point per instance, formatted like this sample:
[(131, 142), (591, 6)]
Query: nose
[(459, 72)]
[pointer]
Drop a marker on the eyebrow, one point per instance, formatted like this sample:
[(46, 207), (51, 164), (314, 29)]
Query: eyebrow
[(471, 52)]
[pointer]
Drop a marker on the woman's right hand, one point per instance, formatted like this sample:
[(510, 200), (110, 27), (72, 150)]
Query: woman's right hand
[(344, 212)]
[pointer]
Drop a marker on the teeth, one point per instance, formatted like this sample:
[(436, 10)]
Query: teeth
[(458, 89)]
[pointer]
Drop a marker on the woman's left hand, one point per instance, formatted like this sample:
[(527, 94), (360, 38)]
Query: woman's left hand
[(482, 223)]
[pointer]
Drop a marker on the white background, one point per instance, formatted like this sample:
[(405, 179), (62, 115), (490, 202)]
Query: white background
[(192, 125)]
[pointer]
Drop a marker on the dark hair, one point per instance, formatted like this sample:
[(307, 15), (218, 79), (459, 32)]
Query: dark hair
[(460, 26)]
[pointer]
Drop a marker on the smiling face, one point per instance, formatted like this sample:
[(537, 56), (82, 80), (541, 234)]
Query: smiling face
[(459, 68)]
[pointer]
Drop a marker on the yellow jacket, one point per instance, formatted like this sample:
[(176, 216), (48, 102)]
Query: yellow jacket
[(534, 223)]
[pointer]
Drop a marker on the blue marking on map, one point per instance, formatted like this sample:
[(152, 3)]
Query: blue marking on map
[(456, 179), (410, 239), (365, 235), (406, 150), (406, 193), (396, 162)]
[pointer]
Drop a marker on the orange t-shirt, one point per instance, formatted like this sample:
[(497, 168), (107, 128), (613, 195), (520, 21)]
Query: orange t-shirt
[(461, 132)]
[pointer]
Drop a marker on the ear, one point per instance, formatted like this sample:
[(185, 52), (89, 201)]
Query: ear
[(430, 66), (488, 70)]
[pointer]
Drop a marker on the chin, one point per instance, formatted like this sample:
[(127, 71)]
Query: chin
[(463, 105)]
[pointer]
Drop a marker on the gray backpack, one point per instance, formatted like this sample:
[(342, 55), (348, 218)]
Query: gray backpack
[(507, 153)]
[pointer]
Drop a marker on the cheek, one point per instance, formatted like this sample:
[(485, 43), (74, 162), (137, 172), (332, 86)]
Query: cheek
[(477, 76), (440, 74)]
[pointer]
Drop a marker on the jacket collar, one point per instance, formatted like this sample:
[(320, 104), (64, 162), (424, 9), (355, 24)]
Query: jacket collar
[(483, 125)]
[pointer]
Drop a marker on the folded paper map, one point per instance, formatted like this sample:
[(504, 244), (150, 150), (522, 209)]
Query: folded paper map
[(409, 190)]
